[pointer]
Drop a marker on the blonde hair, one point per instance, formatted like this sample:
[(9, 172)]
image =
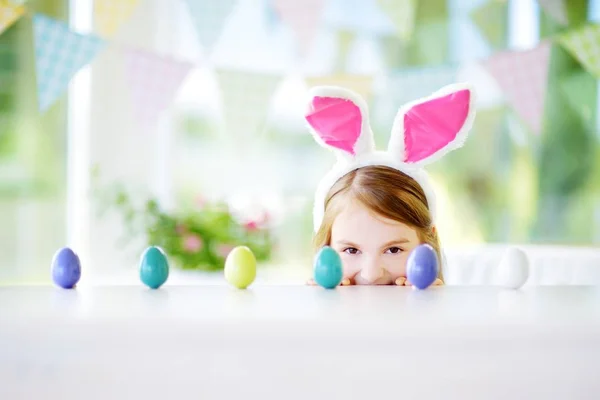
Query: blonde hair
[(388, 193)]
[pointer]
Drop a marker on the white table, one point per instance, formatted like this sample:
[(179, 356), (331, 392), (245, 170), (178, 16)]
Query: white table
[(298, 342)]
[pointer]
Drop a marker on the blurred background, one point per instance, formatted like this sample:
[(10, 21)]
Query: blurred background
[(128, 123)]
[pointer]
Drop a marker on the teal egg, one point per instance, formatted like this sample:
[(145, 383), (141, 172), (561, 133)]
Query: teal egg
[(154, 267), (328, 269)]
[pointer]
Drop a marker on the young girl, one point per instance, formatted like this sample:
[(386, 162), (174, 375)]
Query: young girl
[(375, 207)]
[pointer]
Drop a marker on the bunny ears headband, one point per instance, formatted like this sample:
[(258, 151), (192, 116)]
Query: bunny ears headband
[(423, 131)]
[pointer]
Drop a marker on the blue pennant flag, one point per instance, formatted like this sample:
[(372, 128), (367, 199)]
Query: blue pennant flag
[(209, 17), (59, 54)]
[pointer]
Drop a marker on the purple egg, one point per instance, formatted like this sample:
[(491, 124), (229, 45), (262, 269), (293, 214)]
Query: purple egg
[(422, 266), (66, 268)]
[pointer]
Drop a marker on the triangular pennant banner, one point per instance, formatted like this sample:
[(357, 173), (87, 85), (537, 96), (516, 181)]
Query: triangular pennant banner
[(245, 97), (492, 20), (361, 84), (112, 14), (402, 14), (584, 45), (522, 76), (59, 55), (303, 18), (580, 94), (153, 82), (556, 9), (9, 14), (209, 18)]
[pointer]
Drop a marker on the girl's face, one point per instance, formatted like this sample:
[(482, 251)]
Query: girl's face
[(373, 249)]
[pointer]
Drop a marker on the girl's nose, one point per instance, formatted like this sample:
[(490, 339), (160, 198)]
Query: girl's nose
[(371, 272)]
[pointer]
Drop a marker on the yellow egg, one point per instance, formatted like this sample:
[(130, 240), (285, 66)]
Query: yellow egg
[(240, 267)]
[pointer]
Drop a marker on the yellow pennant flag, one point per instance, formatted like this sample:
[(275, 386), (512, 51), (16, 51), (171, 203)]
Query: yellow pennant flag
[(361, 84), (9, 13), (584, 44), (402, 13), (110, 15)]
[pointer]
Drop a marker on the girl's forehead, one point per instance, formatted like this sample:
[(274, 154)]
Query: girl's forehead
[(356, 222)]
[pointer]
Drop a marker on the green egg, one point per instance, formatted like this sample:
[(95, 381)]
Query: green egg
[(240, 267)]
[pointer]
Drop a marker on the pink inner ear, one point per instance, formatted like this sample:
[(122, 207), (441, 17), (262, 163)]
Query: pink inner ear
[(337, 121), (430, 126)]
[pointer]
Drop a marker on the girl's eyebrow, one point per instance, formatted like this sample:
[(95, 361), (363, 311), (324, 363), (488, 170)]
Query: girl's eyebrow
[(397, 241), (347, 243)]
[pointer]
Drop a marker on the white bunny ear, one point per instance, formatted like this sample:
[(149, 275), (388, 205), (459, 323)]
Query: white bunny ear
[(339, 120), (427, 129)]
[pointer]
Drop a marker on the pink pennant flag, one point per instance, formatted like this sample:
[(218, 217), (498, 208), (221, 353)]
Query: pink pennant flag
[(303, 18), (522, 76), (153, 82), (556, 9)]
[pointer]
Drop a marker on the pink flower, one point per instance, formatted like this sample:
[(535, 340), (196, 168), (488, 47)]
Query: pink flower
[(253, 225), (192, 243)]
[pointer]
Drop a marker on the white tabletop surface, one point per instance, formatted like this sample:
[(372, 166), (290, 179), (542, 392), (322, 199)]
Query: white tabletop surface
[(296, 342)]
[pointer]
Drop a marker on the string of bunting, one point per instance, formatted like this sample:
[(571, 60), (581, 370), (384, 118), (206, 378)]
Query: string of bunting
[(154, 80)]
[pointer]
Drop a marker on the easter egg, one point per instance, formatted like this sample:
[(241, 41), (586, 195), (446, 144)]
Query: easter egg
[(154, 267), (66, 268), (513, 270), (240, 267), (422, 266), (328, 270)]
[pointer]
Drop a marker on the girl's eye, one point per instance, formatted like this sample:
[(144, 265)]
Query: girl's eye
[(394, 250), (351, 250)]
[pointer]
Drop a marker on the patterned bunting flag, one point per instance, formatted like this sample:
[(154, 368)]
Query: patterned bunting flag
[(402, 14), (580, 93), (245, 98), (522, 76), (556, 9), (9, 14), (303, 18), (361, 84), (209, 18), (110, 15), (492, 20), (153, 82), (59, 55), (584, 45)]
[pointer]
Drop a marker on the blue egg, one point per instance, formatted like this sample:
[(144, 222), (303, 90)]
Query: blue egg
[(154, 267), (328, 270), (422, 266), (66, 268)]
